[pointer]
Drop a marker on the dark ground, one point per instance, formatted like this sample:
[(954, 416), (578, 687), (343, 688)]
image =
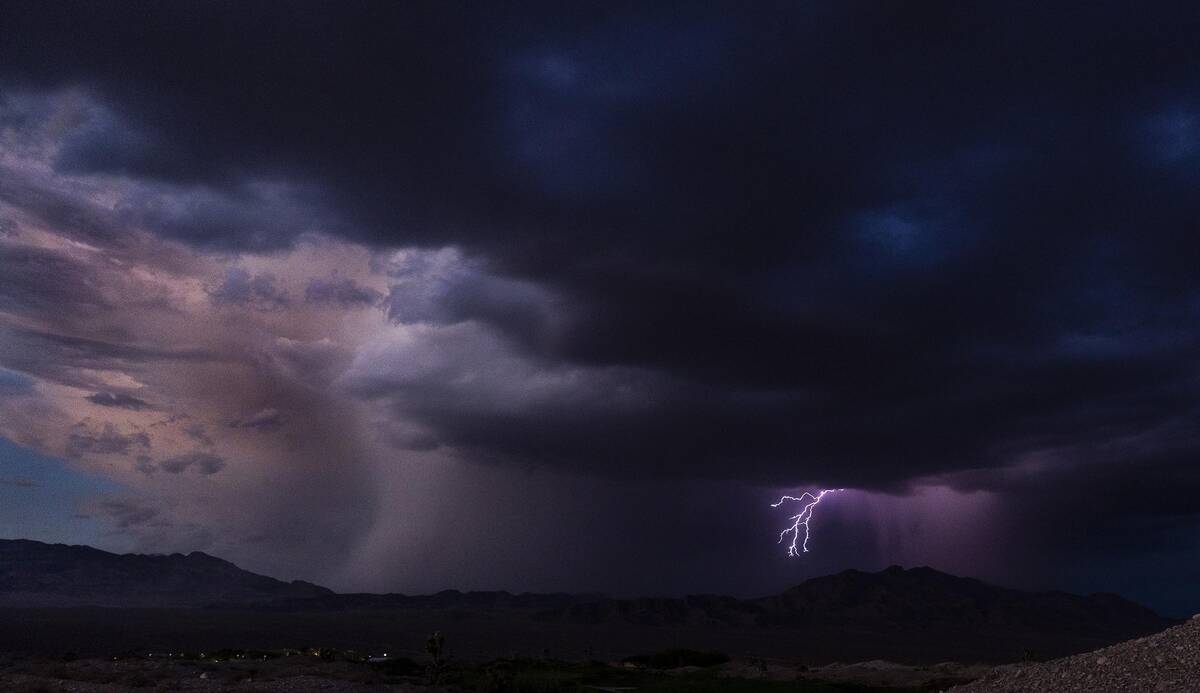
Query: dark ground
[(335, 671), (103, 650), (305, 673), (478, 636)]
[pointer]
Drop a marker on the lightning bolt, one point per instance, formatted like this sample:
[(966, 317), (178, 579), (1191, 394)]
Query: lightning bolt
[(802, 519)]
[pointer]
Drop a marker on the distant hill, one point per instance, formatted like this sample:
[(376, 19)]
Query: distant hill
[(927, 597), (889, 600), (34, 574)]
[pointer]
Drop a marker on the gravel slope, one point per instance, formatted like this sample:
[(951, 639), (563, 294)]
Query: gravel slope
[(1167, 661)]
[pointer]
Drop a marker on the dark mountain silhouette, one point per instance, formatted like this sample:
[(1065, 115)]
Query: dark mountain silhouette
[(34, 574), (926, 597), (895, 598), (891, 601)]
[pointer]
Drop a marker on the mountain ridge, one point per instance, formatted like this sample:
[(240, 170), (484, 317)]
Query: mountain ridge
[(38, 574), (35, 574)]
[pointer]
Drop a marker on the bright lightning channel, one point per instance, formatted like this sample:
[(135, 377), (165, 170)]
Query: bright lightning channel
[(801, 520)]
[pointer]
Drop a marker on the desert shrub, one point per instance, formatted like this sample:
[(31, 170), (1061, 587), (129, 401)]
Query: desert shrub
[(435, 647), (673, 659)]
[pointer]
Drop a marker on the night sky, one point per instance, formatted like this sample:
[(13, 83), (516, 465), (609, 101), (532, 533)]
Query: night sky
[(417, 296)]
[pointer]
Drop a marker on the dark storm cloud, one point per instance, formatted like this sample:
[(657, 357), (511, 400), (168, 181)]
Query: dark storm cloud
[(258, 291), (145, 465), (450, 296), (861, 242), (127, 513), (150, 526), (205, 464), (198, 433), (1149, 473), (262, 420), (106, 440), (60, 358), (252, 216), (43, 282), (340, 290), (67, 214), (120, 400)]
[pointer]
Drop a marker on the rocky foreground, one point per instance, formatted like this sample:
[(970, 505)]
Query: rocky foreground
[(1167, 661)]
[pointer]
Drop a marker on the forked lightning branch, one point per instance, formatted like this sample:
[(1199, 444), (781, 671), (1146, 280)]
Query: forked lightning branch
[(801, 519)]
